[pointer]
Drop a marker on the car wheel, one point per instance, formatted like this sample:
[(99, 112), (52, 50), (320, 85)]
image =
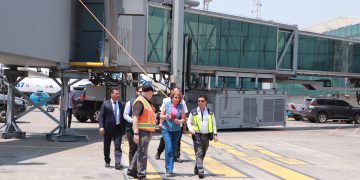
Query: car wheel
[(95, 117), (322, 117), (297, 118), (2, 116), (357, 119), (81, 118)]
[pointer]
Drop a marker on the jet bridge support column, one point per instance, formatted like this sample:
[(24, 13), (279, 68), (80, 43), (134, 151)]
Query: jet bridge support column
[(12, 130), (178, 42), (64, 134)]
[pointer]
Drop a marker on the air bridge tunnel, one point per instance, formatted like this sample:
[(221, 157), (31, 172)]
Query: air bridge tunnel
[(225, 56)]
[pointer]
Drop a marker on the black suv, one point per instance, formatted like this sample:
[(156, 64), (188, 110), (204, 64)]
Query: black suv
[(323, 109), (85, 109)]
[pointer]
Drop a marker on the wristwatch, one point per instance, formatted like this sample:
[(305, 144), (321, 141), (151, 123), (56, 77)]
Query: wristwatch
[(136, 133)]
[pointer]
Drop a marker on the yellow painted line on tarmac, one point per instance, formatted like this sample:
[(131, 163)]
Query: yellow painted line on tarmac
[(185, 145), (275, 169), (278, 157), (268, 166), (269, 153), (214, 166), (228, 149), (252, 147), (290, 161), (151, 172)]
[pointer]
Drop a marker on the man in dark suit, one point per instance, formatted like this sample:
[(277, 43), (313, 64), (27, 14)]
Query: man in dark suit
[(112, 127)]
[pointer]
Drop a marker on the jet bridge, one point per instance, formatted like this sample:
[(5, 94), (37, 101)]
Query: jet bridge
[(198, 50)]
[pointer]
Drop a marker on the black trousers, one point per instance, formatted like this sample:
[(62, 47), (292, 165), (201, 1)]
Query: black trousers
[(201, 145), (69, 116), (114, 133), (132, 145), (161, 147)]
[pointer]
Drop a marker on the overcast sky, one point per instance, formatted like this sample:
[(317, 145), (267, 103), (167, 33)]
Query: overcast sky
[(304, 13)]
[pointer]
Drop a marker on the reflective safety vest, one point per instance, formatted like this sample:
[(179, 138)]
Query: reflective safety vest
[(196, 121), (147, 120)]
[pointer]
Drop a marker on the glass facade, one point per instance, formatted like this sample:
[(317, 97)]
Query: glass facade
[(233, 43), (287, 59), (222, 42), (323, 54), (229, 43), (348, 31), (216, 41), (159, 36)]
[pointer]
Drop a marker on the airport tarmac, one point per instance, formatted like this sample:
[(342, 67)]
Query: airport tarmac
[(302, 150)]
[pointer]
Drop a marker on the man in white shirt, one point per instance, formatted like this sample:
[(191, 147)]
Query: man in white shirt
[(129, 124), (202, 126), (161, 146)]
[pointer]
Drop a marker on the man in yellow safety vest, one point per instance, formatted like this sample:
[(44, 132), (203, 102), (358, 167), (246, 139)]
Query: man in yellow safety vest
[(202, 126)]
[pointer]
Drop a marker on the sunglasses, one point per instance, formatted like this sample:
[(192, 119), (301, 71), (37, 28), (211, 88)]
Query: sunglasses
[(201, 101)]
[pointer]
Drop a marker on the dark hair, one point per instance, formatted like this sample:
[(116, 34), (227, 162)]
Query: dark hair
[(137, 88), (203, 96), (114, 89)]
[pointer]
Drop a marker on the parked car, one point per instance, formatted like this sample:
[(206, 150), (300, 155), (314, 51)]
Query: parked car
[(324, 109), (19, 106), (88, 101)]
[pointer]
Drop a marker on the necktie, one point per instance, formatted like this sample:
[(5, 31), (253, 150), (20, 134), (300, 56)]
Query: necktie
[(115, 112)]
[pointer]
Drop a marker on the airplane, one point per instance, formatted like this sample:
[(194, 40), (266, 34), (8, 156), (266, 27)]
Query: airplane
[(30, 85)]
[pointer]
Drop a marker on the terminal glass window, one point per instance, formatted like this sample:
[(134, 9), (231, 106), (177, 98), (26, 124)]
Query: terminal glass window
[(158, 40), (286, 63), (231, 43), (324, 54)]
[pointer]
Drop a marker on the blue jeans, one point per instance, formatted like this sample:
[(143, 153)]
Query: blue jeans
[(171, 139)]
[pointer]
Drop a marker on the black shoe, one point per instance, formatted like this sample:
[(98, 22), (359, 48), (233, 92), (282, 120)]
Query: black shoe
[(196, 171), (201, 175), (132, 174), (157, 156), (119, 166), (107, 165), (178, 160), (142, 178)]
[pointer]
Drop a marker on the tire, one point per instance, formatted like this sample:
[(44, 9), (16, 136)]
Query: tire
[(95, 117), (348, 122), (297, 118), (81, 118), (2, 116), (322, 117), (357, 119)]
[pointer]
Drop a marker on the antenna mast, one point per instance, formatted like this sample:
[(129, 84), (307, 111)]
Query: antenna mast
[(206, 5), (257, 8)]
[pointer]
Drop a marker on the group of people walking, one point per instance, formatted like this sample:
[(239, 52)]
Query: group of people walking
[(137, 119)]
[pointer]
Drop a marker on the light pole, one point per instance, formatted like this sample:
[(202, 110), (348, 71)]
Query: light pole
[(206, 5)]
